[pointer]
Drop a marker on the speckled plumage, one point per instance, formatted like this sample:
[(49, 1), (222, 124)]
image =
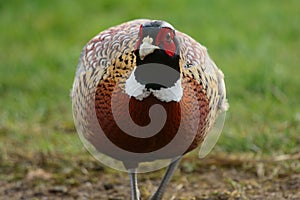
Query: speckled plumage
[(107, 61)]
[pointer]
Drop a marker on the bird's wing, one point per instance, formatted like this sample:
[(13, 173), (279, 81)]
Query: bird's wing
[(196, 63), (98, 58)]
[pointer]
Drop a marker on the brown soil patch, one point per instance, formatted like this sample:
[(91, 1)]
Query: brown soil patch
[(216, 177)]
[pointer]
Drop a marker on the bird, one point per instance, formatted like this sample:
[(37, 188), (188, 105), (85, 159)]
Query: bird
[(123, 72)]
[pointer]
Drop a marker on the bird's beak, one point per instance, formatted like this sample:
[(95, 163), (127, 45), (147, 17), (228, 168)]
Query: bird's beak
[(147, 47)]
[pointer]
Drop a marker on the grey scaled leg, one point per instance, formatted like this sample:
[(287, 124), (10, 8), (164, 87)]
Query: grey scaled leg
[(166, 179), (135, 193)]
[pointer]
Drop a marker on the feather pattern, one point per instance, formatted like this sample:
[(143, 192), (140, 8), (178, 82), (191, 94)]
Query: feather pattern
[(109, 56)]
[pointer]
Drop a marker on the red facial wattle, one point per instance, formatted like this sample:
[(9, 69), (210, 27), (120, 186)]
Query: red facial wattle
[(165, 40)]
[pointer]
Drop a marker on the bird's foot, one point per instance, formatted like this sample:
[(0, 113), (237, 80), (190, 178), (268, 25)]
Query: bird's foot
[(156, 196)]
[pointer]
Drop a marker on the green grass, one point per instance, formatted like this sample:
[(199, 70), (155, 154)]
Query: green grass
[(256, 44)]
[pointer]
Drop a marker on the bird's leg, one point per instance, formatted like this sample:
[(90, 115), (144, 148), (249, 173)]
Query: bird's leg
[(135, 193), (166, 179)]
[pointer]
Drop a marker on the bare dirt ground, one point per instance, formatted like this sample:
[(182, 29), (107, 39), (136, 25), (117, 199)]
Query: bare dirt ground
[(222, 177)]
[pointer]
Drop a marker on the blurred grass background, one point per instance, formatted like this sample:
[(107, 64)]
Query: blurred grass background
[(256, 44)]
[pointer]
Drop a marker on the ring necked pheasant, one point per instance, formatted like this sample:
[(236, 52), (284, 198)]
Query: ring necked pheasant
[(134, 66)]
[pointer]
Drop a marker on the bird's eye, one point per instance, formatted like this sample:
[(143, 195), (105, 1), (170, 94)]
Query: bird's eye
[(168, 37)]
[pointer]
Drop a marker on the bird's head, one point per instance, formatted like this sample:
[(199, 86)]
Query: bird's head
[(157, 60), (157, 36)]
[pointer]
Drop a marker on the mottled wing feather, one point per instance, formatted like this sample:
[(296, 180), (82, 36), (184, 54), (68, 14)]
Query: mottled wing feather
[(108, 45), (211, 68), (197, 64), (191, 52)]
